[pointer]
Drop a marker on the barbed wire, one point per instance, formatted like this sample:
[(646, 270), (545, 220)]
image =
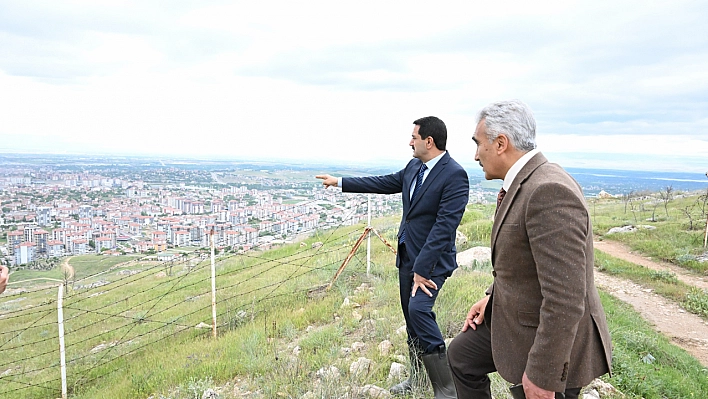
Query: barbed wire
[(224, 242), (112, 315), (298, 260), (31, 385)]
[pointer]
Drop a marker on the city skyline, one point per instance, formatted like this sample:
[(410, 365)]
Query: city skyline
[(612, 87)]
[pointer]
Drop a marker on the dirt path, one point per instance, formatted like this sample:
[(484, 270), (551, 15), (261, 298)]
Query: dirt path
[(684, 329), (621, 251)]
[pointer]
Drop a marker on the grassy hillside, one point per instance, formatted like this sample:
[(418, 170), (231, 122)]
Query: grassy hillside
[(132, 333), (675, 230)]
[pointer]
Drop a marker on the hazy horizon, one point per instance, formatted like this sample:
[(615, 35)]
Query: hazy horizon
[(569, 161)]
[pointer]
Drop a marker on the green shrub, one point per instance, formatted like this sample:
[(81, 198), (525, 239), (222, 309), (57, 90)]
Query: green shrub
[(697, 301), (663, 275)]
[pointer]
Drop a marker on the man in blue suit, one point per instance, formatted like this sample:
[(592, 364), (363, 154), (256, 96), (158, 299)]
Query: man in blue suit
[(435, 190)]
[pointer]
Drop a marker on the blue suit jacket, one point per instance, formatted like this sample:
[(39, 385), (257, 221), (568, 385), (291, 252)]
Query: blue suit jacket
[(431, 220)]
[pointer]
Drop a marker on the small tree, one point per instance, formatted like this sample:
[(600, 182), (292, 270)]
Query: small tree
[(655, 205), (67, 273), (704, 200), (627, 198), (687, 211), (633, 207), (667, 194)]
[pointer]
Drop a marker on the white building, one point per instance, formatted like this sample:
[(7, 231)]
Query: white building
[(24, 253), (55, 248)]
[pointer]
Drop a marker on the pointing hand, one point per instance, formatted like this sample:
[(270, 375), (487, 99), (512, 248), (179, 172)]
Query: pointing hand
[(328, 180)]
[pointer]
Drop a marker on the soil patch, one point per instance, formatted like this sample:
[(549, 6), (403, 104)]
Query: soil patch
[(685, 329), (621, 251)]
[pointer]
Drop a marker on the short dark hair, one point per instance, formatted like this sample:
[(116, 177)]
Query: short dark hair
[(435, 128)]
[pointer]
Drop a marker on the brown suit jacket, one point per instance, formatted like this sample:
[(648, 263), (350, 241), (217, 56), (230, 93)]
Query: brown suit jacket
[(546, 315)]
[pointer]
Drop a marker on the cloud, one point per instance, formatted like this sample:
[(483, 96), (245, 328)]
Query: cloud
[(323, 79)]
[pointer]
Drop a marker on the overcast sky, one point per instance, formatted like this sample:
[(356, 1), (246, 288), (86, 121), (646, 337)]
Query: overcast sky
[(613, 84)]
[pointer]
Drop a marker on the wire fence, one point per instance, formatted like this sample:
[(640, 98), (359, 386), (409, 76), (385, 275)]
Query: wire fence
[(112, 315), (117, 313)]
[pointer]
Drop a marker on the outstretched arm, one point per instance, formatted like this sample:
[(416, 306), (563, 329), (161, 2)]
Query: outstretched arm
[(328, 181)]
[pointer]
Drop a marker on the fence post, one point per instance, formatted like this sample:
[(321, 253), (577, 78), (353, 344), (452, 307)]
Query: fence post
[(62, 349), (213, 285), (368, 238)]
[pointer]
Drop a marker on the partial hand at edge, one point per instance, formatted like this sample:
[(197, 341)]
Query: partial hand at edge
[(327, 180), (422, 283), (4, 273), (533, 391), (475, 316)]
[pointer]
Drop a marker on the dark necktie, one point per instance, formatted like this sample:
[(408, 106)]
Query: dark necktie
[(500, 198), (418, 183)]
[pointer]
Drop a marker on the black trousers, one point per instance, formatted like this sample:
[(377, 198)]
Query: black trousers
[(470, 357), (424, 335)]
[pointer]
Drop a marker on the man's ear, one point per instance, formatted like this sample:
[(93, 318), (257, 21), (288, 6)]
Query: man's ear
[(501, 143)]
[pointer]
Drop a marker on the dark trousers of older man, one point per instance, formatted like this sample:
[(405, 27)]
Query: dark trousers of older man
[(470, 356)]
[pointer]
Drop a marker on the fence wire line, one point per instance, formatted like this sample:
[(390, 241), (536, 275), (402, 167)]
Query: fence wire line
[(148, 258), (68, 319), (253, 266), (241, 270), (146, 313), (71, 306), (270, 295), (30, 385), (19, 333), (277, 285), (105, 353), (267, 297), (275, 260), (35, 310), (145, 274), (90, 380), (78, 329), (88, 290)]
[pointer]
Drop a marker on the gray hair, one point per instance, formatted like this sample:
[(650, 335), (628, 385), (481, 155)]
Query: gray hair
[(514, 119)]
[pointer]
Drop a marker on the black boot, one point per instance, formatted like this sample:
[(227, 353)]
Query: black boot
[(440, 375), (406, 386)]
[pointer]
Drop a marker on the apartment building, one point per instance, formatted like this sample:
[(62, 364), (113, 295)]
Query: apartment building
[(103, 242), (44, 216), (181, 238), (14, 238), (55, 248), (40, 239), (80, 246), (25, 253)]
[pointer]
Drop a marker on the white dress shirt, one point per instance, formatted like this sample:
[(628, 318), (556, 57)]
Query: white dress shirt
[(516, 168)]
